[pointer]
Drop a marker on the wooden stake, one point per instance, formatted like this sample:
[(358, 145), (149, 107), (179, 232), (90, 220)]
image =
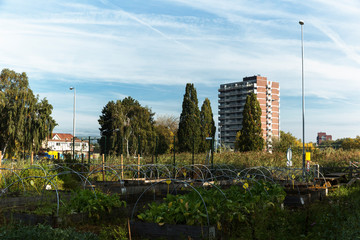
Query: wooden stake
[(138, 166), (103, 169), (0, 158), (122, 166), (129, 229), (32, 158)]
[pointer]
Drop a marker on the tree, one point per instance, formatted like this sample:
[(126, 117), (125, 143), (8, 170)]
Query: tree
[(189, 124), (166, 128), (25, 120), (126, 122), (351, 143), (250, 137), (207, 125), (286, 140)]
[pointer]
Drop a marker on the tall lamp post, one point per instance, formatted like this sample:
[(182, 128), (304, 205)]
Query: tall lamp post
[(303, 100), (73, 88)]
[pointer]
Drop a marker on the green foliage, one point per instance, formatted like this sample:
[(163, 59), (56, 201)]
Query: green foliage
[(250, 137), (207, 125), (286, 140), (226, 212), (337, 217), (189, 125), (42, 232), (85, 201), (166, 128), (25, 120), (81, 201), (114, 233), (351, 143), (31, 181), (122, 123)]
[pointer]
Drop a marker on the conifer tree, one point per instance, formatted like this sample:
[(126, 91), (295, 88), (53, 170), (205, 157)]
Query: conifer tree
[(250, 136), (189, 124), (208, 128)]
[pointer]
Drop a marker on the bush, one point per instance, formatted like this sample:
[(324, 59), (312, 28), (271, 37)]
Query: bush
[(42, 232)]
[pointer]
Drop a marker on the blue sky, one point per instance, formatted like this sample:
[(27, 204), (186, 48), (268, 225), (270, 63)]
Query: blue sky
[(150, 49)]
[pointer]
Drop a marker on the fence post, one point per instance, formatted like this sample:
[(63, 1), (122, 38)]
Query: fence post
[(174, 158), (89, 153), (193, 151), (138, 168), (103, 169), (139, 152), (122, 166), (0, 158), (193, 161), (156, 143), (212, 153), (32, 158), (82, 162)]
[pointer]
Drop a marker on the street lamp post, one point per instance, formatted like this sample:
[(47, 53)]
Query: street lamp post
[(73, 88), (303, 93)]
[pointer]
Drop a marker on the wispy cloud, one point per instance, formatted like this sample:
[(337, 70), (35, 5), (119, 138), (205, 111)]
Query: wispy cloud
[(112, 46)]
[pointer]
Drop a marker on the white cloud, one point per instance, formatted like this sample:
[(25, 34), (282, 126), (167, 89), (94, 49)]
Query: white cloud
[(207, 42)]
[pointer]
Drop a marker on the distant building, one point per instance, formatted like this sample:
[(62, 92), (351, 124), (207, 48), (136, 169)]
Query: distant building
[(62, 143), (232, 98), (321, 136)]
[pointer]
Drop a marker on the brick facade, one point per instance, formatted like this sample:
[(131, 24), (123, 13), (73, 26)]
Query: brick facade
[(232, 98)]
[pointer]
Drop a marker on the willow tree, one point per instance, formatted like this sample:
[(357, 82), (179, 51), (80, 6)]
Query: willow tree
[(189, 124), (207, 125), (25, 121), (250, 137)]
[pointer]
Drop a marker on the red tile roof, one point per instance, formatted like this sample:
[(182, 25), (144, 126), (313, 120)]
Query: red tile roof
[(64, 137)]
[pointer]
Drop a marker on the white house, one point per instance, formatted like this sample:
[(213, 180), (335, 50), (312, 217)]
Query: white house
[(62, 143)]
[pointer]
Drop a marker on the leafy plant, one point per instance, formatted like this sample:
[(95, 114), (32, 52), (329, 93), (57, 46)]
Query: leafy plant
[(42, 232), (236, 206), (85, 201)]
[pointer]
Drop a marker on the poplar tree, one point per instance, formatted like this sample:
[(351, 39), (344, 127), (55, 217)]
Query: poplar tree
[(207, 123), (25, 121), (250, 137), (189, 124)]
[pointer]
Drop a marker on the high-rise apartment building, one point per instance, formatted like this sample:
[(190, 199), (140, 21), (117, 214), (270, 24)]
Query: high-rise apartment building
[(232, 98)]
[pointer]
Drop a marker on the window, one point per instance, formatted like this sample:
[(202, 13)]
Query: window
[(57, 144)]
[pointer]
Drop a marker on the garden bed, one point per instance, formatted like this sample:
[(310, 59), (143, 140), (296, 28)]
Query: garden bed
[(66, 220), (170, 231)]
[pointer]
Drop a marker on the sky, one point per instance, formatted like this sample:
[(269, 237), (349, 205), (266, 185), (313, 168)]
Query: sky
[(150, 49)]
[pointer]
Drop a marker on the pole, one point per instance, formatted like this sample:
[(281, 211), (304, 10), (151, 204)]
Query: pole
[(105, 147), (122, 159), (156, 143), (303, 94), (193, 160), (174, 158), (212, 153), (89, 153), (74, 117), (193, 151), (73, 88), (139, 154), (103, 168)]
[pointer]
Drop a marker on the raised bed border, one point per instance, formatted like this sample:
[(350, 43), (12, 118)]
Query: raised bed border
[(171, 231)]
